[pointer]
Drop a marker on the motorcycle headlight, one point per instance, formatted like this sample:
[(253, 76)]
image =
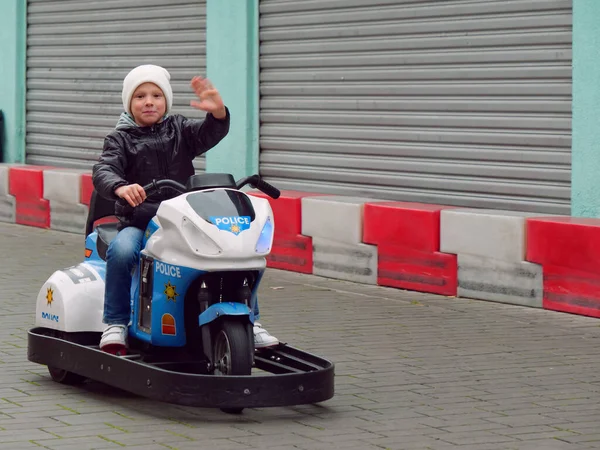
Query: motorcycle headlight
[(263, 245)]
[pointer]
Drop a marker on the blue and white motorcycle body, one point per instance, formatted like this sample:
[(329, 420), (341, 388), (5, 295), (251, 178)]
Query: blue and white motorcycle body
[(192, 297), (203, 257)]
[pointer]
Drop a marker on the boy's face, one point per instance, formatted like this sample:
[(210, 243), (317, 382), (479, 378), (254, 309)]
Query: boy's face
[(148, 104)]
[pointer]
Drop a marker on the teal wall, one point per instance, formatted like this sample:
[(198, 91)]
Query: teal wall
[(232, 66), (13, 36), (585, 189)]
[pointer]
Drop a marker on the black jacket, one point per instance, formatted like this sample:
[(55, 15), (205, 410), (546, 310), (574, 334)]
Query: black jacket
[(142, 154)]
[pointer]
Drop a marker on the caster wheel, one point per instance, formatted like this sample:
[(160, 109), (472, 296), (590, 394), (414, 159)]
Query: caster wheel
[(64, 377)]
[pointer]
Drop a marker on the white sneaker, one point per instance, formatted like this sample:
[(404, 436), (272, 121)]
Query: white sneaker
[(114, 339), (262, 338)]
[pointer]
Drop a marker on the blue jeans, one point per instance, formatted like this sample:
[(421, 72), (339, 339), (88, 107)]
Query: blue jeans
[(122, 256)]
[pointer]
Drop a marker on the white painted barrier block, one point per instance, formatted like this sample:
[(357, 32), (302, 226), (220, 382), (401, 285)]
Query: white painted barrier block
[(481, 278), (68, 217), (4, 190), (63, 185), (351, 262), (493, 234), (334, 217), (8, 209)]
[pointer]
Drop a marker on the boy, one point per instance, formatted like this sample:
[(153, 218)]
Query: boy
[(148, 144)]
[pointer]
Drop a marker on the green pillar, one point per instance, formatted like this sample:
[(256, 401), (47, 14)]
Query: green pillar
[(13, 41), (585, 177), (232, 66)]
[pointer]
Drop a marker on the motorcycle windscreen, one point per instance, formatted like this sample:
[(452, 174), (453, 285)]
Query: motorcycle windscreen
[(221, 206)]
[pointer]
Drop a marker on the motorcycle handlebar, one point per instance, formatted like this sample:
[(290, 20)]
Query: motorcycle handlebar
[(258, 183), (254, 180), (154, 187), (157, 184)]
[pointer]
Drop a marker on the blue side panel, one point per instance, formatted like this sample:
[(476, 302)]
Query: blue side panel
[(150, 230), (170, 285), (135, 289), (224, 309), (90, 245), (135, 292), (93, 259), (100, 267)]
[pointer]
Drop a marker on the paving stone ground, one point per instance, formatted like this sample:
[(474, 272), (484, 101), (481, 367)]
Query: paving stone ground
[(413, 371)]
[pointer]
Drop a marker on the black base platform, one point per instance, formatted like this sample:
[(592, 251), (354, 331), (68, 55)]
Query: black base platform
[(290, 377)]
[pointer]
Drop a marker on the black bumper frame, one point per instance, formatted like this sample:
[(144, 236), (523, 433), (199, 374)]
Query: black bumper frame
[(294, 377)]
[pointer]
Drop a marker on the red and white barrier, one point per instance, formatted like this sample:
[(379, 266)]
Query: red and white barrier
[(493, 234), (517, 283), (86, 187), (291, 250), (519, 258), (568, 249), (7, 202), (491, 246), (335, 224), (341, 261), (26, 184), (407, 236), (62, 188)]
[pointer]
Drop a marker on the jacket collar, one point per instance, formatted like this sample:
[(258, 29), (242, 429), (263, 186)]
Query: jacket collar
[(126, 122)]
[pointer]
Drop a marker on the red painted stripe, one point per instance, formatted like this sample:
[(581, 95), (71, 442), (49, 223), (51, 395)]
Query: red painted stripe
[(287, 210), (415, 270), (411, 225), (293, 253), (571, 291)]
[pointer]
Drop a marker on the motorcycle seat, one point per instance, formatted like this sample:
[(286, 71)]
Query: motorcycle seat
[(106, 233)]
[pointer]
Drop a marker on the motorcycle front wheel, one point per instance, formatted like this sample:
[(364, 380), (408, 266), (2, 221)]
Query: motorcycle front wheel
[(232, 354)]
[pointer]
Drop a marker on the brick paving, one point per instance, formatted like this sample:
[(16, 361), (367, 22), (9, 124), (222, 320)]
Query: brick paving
[(413, 371)]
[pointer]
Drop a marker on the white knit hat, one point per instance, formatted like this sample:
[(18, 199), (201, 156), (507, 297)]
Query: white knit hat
[(147, 73)]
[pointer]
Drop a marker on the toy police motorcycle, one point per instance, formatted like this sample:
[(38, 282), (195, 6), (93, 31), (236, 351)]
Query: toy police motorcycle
[(190, 337)]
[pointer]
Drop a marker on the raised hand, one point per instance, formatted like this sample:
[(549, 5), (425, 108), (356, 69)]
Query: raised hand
[(210, 99)]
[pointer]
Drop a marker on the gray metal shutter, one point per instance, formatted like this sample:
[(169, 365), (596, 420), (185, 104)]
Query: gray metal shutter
[(78, 53), (462, 103)]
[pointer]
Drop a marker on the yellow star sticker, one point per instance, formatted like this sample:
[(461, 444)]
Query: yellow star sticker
[(49, 296), (235, 229), (170, 292)]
